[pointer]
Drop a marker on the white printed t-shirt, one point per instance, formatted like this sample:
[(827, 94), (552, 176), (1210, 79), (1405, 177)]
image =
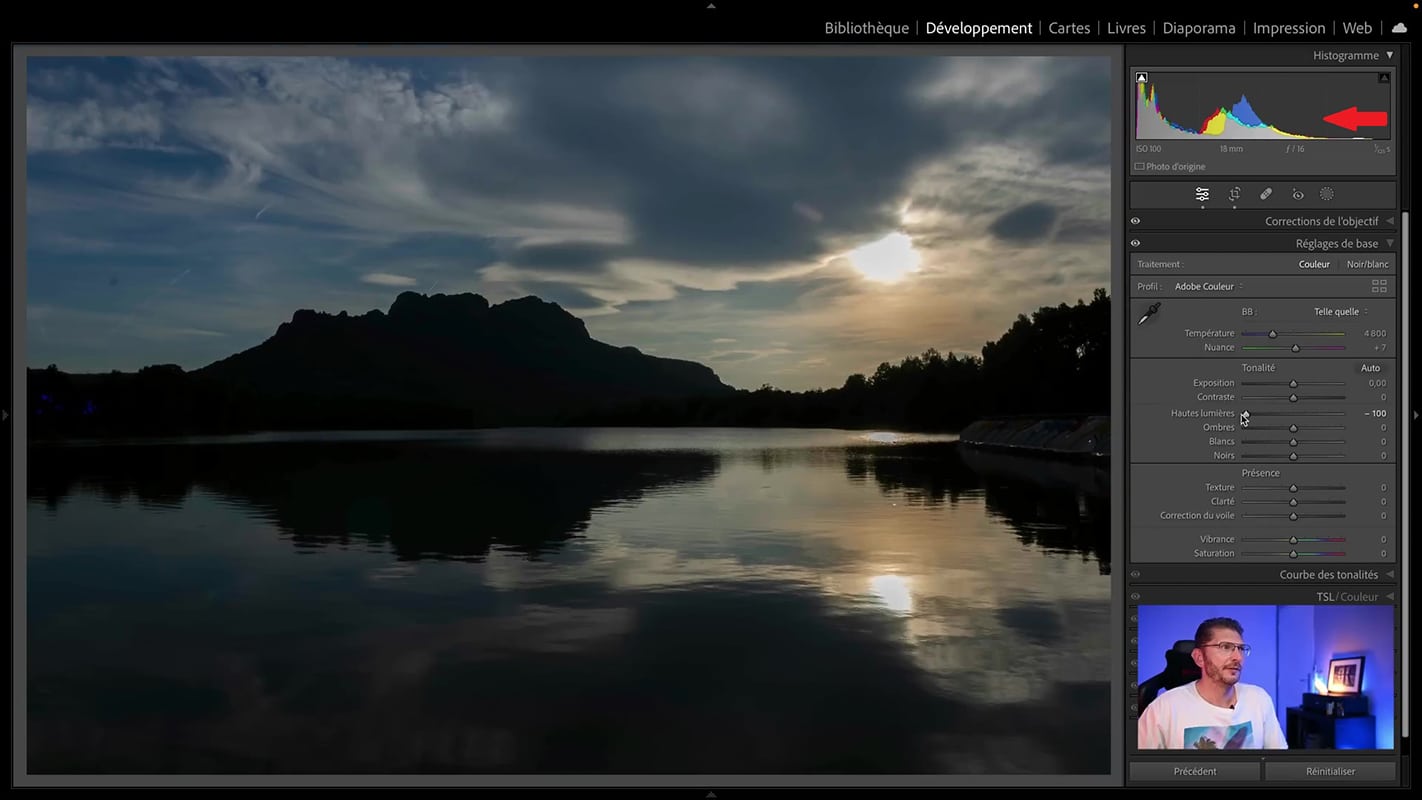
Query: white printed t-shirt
[(1181, 719)]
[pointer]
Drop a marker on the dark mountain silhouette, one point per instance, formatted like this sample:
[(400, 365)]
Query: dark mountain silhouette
[(441, 361), (522, 360), (454, 361)]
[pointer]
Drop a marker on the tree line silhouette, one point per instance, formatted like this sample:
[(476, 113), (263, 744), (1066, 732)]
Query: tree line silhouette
[(1055, 361)]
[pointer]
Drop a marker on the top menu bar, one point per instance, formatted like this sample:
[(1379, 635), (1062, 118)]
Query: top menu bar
[(744, 22), (1120, 30)]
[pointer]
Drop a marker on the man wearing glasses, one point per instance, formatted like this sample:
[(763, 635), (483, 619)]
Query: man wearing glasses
[(1215, 712)]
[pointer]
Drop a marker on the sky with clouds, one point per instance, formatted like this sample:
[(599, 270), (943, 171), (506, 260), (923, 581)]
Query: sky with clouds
[(724, 210)]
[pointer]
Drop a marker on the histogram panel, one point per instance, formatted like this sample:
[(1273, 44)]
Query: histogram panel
[(1263, 105)]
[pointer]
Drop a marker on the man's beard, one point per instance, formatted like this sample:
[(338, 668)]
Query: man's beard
[(1225, 676)]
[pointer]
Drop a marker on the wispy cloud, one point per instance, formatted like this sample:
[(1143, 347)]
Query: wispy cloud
[(1002, 82), (386, 279), (87, 125), (746, 355), (196, 332)]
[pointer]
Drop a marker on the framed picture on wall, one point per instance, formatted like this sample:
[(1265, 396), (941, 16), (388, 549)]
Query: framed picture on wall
[(1345, 675)]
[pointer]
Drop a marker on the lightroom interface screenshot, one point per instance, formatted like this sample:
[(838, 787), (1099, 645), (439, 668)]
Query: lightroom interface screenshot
[(705, 400)]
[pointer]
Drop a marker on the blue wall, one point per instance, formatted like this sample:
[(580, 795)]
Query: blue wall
[(1342, 631), (1298, 658)]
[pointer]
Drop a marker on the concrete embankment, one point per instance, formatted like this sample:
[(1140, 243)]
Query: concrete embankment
[(1087, 437)]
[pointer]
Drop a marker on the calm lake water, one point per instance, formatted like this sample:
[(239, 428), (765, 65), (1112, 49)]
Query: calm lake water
[(627, 601)]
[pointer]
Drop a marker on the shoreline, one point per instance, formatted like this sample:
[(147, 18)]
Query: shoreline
[(1070, 437), (1044, 438), (279, 433)]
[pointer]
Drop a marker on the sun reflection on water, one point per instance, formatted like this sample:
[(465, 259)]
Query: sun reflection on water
[(893, 592)]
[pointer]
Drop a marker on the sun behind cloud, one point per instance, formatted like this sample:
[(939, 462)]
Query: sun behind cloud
[(887, 260), (367, 177)]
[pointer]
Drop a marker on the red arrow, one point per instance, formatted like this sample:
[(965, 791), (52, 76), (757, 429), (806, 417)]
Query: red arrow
[(1353, 119)]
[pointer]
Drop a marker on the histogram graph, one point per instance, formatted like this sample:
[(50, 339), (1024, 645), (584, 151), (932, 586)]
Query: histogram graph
[(1263, 105)]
